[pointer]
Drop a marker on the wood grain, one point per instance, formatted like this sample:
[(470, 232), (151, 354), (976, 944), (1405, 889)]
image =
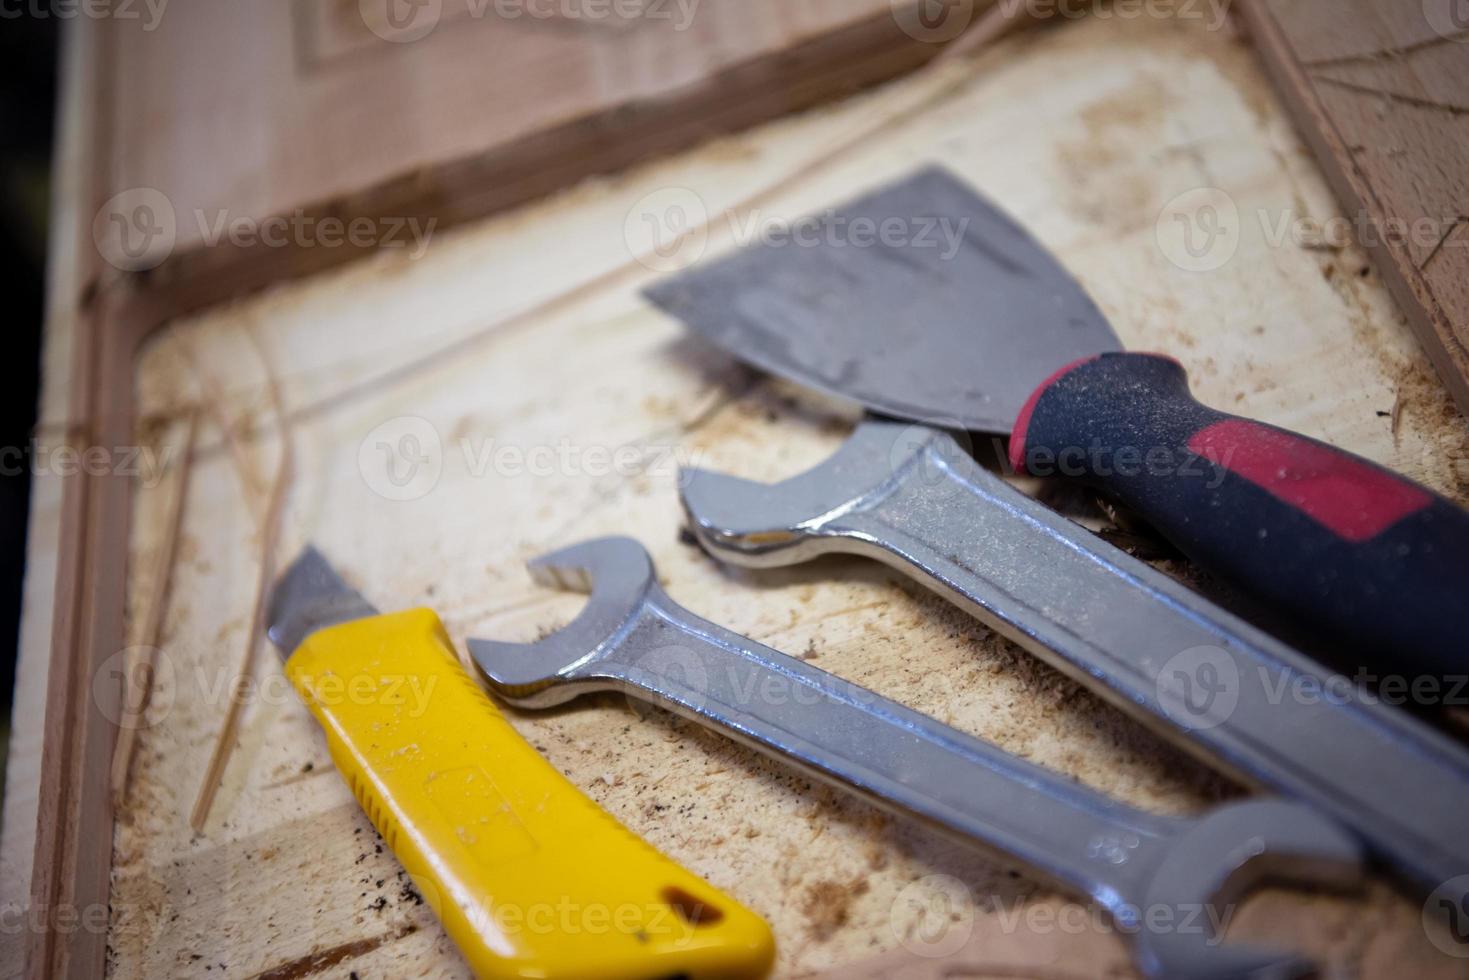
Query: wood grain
[(242, 113), (551, 346), (447, 339), (1378, 88)]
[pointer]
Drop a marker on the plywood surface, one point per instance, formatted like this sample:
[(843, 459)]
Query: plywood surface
[(489, 342), (1378, 89)]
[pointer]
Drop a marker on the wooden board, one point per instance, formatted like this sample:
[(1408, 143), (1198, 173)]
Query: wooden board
[(473, 302), (226, 115), (1378, 88), (526, 333), (213, 79)]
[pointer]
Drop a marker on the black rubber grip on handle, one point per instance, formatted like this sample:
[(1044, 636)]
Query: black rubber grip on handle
[(1339, 544)]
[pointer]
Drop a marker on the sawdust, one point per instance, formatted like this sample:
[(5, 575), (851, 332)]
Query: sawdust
[(749, 824), (827, 906)]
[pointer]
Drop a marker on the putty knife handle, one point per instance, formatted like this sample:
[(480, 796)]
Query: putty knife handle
[(493, 837), (1326, 537)]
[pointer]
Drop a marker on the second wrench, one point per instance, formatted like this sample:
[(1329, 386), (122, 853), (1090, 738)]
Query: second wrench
[(1142, 868)]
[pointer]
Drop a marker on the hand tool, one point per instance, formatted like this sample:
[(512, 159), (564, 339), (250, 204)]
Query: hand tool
[(991, 334), (529, 877), (631, 637), (909, 496)]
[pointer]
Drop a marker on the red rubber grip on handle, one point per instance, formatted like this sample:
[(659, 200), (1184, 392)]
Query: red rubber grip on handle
[(1355, 500), (1341, 545)]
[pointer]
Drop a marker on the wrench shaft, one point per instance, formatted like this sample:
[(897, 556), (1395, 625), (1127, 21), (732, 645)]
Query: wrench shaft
[(1201, 676), (899, 758)]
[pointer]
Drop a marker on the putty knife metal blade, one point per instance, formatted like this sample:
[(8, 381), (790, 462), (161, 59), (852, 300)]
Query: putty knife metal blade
[(920, 300), (308, 597)]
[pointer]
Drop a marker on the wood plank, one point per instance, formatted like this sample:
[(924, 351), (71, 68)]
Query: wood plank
[(527, 332), (240, 113), (66, 271), (1378, 89), (66, 811)]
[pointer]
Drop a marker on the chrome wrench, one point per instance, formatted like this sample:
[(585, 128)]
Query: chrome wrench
[(911, 497), (1144, 869)]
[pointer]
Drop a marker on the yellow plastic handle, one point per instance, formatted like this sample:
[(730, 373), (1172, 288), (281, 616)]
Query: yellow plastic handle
[(529, 877)]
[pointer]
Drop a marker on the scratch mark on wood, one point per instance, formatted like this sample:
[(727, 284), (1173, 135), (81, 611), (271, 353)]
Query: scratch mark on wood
[(1458, 223), (1378, 54), (326, 959), (1398, 97)]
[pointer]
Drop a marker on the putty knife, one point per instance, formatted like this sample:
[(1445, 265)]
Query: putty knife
[(924, 301), (529, 877)]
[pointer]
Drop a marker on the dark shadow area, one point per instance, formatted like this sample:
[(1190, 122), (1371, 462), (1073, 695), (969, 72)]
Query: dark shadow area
[(27, 109)]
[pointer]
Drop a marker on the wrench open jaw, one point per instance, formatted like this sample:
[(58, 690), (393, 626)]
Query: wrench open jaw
[(1165, 880), (909, 496)]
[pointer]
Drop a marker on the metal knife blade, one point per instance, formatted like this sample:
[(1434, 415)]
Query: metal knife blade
[(953, 316), (308, 597)]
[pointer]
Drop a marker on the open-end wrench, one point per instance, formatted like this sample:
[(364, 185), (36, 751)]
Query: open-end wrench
[(909, 496), (1144, 869)]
